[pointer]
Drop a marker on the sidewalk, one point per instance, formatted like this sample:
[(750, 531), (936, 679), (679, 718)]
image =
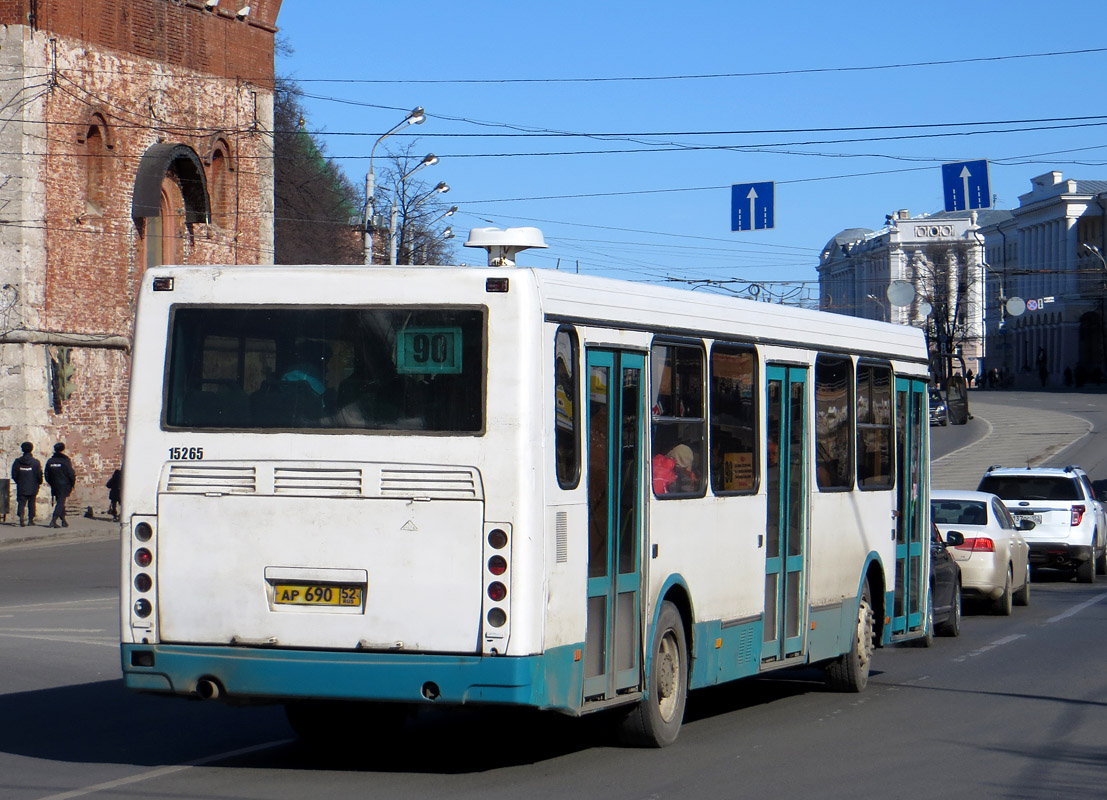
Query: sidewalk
[(81, 528)]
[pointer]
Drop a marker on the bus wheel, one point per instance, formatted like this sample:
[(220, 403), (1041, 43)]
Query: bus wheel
[(655, 721), (850, 672)]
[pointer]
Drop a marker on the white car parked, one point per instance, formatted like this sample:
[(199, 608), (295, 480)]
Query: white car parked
[(994, 558), (1069, 527)]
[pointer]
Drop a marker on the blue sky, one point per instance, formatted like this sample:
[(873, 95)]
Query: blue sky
[(788, 78)]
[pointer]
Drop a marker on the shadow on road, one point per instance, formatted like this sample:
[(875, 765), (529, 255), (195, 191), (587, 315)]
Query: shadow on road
[(105, 723)]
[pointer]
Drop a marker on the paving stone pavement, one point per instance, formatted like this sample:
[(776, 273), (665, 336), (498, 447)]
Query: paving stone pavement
[(1015, 437)]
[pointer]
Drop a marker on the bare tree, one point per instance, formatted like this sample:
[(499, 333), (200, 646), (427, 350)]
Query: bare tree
[(316, 207), (942, 275), (422, 233)]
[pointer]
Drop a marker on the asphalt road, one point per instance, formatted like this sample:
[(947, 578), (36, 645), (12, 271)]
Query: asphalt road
[(1015, 707)]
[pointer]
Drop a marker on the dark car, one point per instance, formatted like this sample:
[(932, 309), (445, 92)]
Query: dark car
[(939, 411), (944, 608)]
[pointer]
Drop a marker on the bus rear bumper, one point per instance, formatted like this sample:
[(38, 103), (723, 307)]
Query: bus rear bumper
[(548, 681)]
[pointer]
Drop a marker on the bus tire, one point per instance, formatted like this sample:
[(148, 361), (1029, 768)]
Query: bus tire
[(655, 721), (850, 672)]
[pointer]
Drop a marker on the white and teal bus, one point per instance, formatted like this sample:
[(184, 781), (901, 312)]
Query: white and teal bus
[(357, 491)]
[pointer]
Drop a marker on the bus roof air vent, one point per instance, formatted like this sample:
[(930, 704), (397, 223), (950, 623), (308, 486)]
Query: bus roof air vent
[(502, 245)]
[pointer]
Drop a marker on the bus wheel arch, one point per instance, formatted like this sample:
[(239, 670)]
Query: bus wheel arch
[(874, 576)]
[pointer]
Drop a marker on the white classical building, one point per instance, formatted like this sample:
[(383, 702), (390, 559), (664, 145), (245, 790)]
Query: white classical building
[(911, 270), (1028, 286), (1048, 258)]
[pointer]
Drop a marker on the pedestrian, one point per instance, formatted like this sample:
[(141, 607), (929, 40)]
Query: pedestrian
[(61, 477), (115, 493), (27, 475)]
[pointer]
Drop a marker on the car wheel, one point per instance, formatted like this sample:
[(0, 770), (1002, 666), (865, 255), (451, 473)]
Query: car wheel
[(1085, 573), (952, 626), (1101, 563), (1022, 596), (1002, 604), (927, 639)]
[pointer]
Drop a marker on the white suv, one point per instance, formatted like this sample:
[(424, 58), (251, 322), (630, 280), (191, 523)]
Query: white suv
[(1069, 529)]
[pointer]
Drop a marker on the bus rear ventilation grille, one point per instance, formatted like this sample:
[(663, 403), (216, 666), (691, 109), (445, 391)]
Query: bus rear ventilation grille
[(322, 482), (438, 484), (197, 479)]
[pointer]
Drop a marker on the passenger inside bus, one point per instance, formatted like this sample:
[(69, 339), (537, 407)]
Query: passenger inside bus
[(672, 471)]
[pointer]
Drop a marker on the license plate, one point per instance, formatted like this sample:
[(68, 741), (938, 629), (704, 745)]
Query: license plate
[(316, 594), (1035, 518)]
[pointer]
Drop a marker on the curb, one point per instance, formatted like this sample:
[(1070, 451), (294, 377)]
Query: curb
[(47, 540)]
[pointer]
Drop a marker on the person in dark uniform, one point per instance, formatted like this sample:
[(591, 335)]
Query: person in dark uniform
[(61, 477), (115, 493), (27, 477)]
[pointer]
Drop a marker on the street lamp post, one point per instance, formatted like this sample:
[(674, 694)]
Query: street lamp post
[(448, 233), (429, 160), (415, 117), (1008, 306), (883, 316), (441, 188)]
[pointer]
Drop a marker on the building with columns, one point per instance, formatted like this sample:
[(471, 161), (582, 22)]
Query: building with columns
[(1048, 258), (933, 265), (1033, 281)]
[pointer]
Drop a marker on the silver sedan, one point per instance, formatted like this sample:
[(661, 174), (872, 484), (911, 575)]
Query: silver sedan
[(994, 558)]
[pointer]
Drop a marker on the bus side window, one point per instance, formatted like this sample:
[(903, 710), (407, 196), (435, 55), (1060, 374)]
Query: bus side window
[(874, 426), (833, 422), (734, 419), (678, 421), (566, 408)]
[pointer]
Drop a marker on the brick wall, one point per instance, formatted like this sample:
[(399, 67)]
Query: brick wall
[(136, 73), (172, 32)]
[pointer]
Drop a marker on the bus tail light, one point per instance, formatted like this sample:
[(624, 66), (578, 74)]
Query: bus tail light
[(497, 580), (1077, 515), (143, 572)]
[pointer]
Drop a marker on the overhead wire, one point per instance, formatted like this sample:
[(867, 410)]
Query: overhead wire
[(1073, 122)]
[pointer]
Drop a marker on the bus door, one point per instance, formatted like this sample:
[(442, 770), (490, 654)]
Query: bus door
[(912, 499), (615, 523), (786, 522)]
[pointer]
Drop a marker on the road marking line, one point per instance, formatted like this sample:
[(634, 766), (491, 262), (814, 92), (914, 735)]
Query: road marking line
[(158, 773), (113, 642), (61, 603), (53, 630), (1077, 609), (997, 643)]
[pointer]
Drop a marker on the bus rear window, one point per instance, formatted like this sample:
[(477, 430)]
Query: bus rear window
[(395, 369)]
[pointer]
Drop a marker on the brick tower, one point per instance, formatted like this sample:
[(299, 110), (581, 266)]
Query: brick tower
[(133, 133)]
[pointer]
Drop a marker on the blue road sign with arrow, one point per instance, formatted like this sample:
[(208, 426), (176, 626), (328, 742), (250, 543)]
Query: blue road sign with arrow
[(751, 206), (965, 185)]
